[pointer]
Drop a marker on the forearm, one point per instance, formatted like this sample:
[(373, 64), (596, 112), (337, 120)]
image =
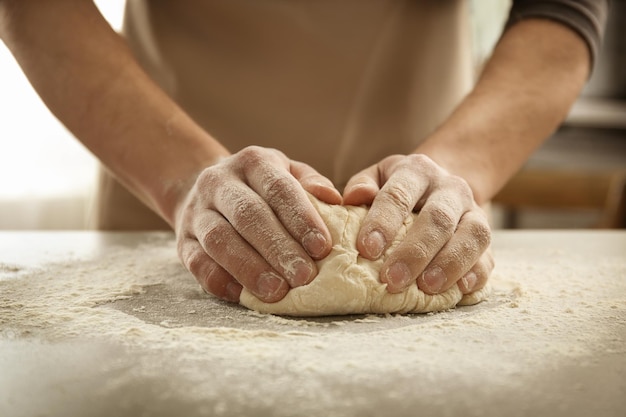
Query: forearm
[(88, 78), (536, 72)]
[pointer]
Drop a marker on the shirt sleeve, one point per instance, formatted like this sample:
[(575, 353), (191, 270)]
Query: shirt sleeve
[(585, 17)]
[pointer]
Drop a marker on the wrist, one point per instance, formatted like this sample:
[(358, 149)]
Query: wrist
[(462, 164), (185, 162), (535, 74)]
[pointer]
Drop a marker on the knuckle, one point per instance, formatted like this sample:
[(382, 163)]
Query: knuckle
[(484, 267), (442, 218), (480, 232), (209, 178), (457, 183), (214, 235), (461, 187), (241, 206), (194, 262), (400, 198), (421, 163), (276, 249), (419, 159), (248, 268), (245, 215), (251, 157), (250, 152), (412, 250), (277, 188), (209, 280), (482, 276)]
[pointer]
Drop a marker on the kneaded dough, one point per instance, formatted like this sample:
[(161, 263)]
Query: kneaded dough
[(349, 284)]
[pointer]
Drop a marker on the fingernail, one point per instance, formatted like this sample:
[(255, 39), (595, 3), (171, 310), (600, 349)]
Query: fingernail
[(269, 284), (469, 280), (434, 278), (398, 276), (303, 274), (315, 243), (375, 244), (233, 290)]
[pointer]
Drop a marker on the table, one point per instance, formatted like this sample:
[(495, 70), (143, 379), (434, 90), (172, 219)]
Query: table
[(105, 324)]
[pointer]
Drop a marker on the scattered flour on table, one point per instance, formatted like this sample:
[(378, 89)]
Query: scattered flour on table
[(132, 311)]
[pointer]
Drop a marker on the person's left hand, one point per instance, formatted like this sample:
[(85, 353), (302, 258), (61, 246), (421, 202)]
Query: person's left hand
[(447, 243)]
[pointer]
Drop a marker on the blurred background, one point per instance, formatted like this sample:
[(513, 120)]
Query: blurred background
[(46, 176), (576, 180)]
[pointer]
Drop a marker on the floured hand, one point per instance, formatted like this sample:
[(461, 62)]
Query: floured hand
[(247, 222), (447, 243)]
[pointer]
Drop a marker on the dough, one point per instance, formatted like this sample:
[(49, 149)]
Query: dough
[(349, 284)]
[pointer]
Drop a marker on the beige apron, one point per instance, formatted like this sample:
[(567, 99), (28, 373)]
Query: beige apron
[(338, 84)]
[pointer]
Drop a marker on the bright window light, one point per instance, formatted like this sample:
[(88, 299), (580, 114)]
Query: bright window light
[(39, 158)]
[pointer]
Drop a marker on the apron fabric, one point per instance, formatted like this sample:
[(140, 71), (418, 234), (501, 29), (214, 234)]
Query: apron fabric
[(336, 84)]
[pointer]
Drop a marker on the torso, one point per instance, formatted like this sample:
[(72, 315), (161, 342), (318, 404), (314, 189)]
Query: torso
[(338, 85)]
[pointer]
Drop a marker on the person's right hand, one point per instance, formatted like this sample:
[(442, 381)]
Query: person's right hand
[(247, 222)]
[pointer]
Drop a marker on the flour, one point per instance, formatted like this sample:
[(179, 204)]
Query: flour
[(8, 268), (116, 331)]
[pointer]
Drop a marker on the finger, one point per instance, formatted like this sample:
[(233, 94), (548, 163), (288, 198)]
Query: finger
[(433, 227), (456, 258), (362, 188), (221, 242), (255, 222), (212, 278), (476, 278), (288, 201), (393, 204), (315, 183)]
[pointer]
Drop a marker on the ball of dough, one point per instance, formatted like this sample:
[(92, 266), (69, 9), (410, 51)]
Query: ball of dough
[(349, 284)]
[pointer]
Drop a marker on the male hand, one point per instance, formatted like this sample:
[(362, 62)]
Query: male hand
[(446, 244), (247, 222)]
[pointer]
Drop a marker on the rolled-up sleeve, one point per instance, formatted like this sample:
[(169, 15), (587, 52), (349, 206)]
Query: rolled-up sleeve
[(586, 17)]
